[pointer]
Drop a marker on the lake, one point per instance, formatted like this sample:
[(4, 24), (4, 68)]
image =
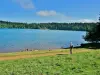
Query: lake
[(12, 40)]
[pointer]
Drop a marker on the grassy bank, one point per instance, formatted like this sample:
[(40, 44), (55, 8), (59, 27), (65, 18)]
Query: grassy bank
[(37, 53), (86, 63), (34, 52)]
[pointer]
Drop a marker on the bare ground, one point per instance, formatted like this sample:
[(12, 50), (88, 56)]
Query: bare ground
[(2, 58)]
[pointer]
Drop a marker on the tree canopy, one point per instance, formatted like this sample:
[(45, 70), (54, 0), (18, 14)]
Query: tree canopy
[(94, 34), (51, 26)]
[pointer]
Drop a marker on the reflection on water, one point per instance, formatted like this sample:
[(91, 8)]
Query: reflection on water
[(19, 39)]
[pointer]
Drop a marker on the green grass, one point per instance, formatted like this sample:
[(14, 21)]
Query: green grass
[(87, 63)]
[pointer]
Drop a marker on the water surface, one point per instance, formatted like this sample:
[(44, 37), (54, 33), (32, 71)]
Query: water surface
[(19, 39)]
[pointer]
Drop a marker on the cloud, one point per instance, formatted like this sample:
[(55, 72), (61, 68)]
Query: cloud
[(86, 20), (26, 4), (53, 16), (45, 13)]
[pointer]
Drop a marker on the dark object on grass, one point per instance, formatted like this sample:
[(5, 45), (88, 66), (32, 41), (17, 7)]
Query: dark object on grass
[(71, 47)]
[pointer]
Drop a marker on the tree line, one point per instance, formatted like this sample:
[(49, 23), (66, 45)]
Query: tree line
[(51, 26)]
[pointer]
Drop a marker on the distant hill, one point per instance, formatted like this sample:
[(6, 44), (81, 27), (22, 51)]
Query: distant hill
[(51, 26)]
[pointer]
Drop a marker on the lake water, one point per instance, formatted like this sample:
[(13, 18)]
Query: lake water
[(19, 39)]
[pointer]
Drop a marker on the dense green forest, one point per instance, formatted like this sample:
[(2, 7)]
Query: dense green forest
[(51, 26)]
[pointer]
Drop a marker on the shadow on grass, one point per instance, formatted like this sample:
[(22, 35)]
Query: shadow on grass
[(61, 54)]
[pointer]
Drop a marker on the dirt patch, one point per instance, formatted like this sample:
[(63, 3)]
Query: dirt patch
[(37, 55)]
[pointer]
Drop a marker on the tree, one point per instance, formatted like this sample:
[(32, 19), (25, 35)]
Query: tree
[(51, 26), (94, 34)]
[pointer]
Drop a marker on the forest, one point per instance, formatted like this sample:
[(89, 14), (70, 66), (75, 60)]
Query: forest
[(50, 26)]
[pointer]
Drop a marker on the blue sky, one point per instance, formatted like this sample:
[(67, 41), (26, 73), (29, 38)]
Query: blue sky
[(49, 10)]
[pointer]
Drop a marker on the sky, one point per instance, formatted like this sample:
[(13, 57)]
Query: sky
[(31, 11)]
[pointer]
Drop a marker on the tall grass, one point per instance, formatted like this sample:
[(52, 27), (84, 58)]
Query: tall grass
[(87, 63)]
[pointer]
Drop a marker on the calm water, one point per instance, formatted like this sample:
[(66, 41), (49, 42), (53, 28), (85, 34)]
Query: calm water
[(20, 39)]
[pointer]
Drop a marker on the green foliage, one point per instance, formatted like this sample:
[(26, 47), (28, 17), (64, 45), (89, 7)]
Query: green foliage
[(93, 35), (76, 64), (52, 26), (91, 45)]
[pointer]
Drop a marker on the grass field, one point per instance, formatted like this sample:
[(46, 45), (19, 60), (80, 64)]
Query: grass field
[(84, 63)]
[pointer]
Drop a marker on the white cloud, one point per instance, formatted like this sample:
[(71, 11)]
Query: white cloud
[(46, 13), (60, 17), (86, 20), (26, 4)]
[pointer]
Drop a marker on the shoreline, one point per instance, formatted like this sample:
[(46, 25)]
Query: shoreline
[(30, 50), (42, 53)]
